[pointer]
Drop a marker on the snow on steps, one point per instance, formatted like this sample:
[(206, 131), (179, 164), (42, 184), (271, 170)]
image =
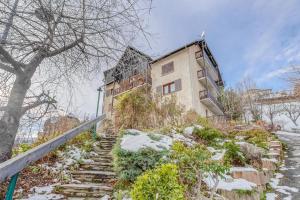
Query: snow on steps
[(93, 179)]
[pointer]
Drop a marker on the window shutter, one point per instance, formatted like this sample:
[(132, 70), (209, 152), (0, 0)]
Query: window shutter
[(159, 90), (167, 68), (178, 85)]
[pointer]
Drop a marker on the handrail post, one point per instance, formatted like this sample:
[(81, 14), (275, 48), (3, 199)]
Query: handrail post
[(11, 187), (97, 111)]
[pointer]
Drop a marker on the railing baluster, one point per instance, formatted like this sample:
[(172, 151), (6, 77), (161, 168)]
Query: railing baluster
[(11, 187)]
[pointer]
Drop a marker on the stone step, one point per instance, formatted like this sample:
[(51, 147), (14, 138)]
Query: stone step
[(111, 142), (93, 176), (84, 190), (108, 139), (101, 149), (275, 151), (103, 160), (108, 156), (99, 166), (275, 142)]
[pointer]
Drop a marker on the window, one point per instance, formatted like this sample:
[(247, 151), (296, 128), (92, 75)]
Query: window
[(167, 68), (169, 88)]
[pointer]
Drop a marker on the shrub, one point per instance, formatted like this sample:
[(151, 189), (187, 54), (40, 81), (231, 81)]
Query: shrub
[(133, 109), (161, 183), (258, 137), (204, 122), (193, 163), (208, 134), (129, 165), (191, 117), (233, 155)]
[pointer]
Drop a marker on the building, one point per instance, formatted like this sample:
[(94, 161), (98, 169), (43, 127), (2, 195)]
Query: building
[(191, 73)]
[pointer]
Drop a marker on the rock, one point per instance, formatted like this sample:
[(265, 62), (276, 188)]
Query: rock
[(269, 164), (275, 142), (251, 151), (188, 131), (235, 195), (229, 187), (274, 155), (183, 139), (249, 174)]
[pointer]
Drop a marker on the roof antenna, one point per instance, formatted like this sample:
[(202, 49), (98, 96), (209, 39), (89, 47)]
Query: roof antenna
[(202, 37)]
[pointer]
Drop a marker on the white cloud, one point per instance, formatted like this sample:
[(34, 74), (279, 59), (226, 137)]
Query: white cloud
[(279, 72)]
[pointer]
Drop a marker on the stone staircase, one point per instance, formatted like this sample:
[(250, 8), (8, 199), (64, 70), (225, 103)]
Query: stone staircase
[(93, 180)]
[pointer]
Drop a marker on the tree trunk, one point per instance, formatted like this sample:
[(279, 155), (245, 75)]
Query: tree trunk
[(10, 120)]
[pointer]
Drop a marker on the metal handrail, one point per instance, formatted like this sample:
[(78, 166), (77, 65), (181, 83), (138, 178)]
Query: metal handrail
[(13, 166)]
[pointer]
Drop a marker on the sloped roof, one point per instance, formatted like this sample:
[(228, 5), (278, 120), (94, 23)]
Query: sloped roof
[(132, 59)]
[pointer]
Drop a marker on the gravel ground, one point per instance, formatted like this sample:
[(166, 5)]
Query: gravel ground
[(291, 168)]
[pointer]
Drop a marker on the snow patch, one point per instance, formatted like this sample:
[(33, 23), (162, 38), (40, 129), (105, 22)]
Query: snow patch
[(271, 196), (135, 140), (230, 183), (242, 169), (43, 193)]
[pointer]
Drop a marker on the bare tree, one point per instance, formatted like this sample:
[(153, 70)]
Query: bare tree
[(45, 43), (292, 111), (232, 103), (250, 94), (271, 110)]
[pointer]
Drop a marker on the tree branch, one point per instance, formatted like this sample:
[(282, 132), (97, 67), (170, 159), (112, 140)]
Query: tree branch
[(40, 101), (6, 57), (37, 104), (7, 68), (64, 48)]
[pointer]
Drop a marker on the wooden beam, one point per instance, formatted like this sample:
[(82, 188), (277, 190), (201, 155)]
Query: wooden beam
[(16, 164)]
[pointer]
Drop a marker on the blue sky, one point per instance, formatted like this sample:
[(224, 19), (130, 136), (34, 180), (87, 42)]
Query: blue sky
[(257, 38)]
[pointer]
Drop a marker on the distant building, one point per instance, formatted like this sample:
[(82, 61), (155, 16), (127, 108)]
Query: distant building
[(59, 124), (190, 72)]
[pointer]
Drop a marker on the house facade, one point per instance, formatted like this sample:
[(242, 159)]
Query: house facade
[(190, 73)]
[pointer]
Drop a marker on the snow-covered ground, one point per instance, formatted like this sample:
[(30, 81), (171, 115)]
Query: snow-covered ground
[(287, 181), (280, 118)]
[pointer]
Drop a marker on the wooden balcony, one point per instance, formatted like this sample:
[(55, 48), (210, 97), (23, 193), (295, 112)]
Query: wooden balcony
[(206, 63), (211, 102), (131, 83), (204, 77)]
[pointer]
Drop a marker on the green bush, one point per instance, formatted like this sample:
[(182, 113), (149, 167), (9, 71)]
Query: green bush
[(233, 155), (129, 165), (161, 183), (258, 137), (204, 122), (193, 163), (209, 135)]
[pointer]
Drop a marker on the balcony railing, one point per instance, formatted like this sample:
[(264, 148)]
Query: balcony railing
[(205, 94), (134, 82), (203, 74), (199, 55)]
